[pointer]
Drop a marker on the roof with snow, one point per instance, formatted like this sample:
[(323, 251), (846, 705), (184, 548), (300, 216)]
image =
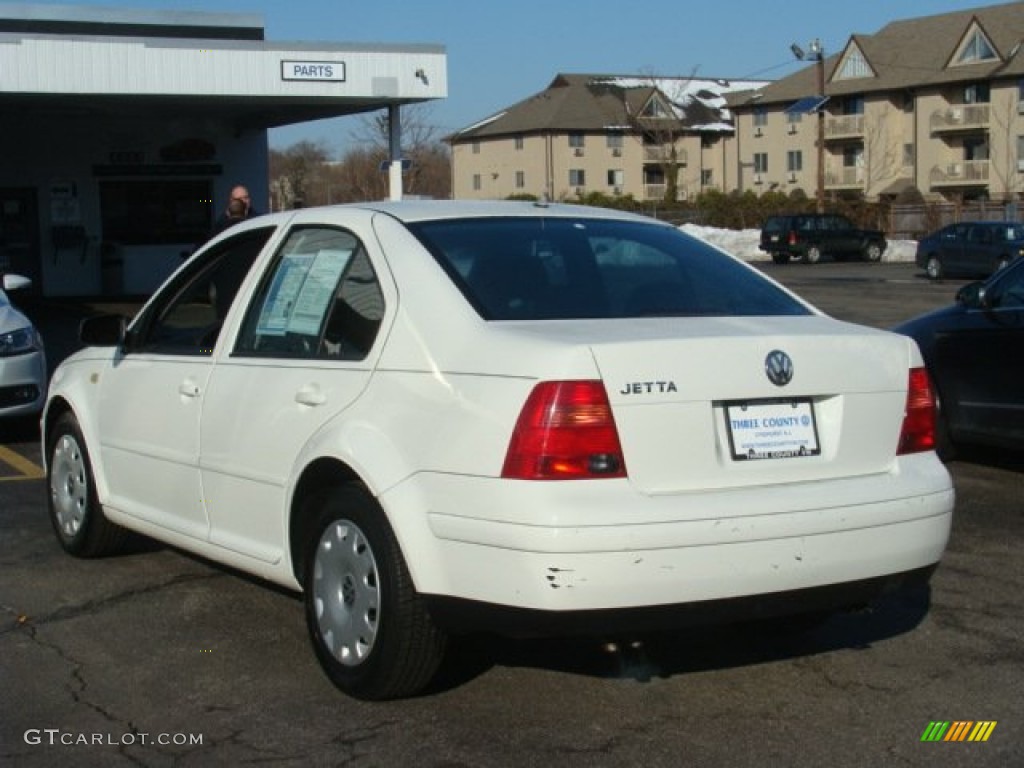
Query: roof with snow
[(580, 102)]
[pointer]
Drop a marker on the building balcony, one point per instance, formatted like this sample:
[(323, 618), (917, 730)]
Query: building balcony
[(654, 191), (844, 127), (661, 154), (960, 173), (844, 178), (960, 118)]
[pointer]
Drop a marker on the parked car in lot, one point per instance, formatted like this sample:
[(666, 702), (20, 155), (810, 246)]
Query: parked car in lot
[(809, 236), (973, 351), (22, 356), (438, 417), (970, 248)]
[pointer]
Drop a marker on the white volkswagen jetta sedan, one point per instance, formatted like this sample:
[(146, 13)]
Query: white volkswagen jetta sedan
[(433, 417)]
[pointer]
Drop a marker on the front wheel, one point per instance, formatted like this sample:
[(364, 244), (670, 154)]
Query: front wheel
[(75, 513), (370, 629), (780, 258), (873, 252), (933, 268)]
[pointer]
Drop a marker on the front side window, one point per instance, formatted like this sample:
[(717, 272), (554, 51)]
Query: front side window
[(319, 299), (555, 268), (186, 317)]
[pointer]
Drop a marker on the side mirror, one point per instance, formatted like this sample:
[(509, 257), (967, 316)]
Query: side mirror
[(103, 330), (16, 282), (971, 295)]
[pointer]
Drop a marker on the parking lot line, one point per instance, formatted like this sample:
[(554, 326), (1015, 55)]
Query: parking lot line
[(27, 469)]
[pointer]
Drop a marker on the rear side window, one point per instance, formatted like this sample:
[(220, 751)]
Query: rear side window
[(320, 298), (542, 268)]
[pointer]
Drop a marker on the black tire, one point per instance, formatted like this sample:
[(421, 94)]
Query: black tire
[(371, 631), (780, 258), (813, 255), (873, 252), (934, 269), (76, 516)]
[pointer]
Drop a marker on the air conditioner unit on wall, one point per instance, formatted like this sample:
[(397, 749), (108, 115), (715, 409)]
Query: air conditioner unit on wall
[(758, 179), (616, 152), (792, 178), (578, 152), (792, 128), (758, 132)]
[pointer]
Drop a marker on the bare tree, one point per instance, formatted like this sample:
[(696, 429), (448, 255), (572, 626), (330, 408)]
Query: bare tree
[(657, 116), (292, 169)]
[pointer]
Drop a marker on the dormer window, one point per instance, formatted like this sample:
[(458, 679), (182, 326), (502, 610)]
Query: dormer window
[(976, 48), (853, 66)]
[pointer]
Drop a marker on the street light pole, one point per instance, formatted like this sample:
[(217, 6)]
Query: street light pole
[(818, 53)]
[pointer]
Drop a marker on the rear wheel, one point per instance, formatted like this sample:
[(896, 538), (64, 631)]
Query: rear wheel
[(813, 255), (933, 268), (75, 513), (370, 629), (873, 252)]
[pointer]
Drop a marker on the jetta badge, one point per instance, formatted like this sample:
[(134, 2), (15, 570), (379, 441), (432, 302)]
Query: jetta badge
[(779, 368)]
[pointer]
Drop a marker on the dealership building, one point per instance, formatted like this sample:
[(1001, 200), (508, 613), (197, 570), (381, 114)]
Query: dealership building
[(123, 130)]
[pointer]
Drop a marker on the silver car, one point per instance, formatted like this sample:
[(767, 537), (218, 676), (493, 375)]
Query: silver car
[(22, 357)]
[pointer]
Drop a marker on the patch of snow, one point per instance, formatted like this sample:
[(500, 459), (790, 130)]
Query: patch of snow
[(744, 243)]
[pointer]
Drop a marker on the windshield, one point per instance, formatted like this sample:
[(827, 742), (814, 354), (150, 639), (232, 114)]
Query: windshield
[(544, 268)]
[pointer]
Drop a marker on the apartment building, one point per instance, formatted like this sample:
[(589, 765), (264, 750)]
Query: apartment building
[(617, 135), (934, 102)]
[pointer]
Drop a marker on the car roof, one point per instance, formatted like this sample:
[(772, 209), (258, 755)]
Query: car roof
[(434, 210)]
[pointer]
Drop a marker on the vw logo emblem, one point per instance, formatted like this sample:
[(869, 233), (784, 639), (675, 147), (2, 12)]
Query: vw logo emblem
[(779, 368)]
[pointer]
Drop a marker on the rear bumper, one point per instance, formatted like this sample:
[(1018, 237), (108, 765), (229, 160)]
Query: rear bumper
[(457, 615), (578, 547)]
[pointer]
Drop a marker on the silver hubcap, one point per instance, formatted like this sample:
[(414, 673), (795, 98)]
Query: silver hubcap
[(934, 268), (346, 592), (69, 485)]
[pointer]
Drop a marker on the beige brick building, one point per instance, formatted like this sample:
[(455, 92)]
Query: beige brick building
[(602, 133), (935, 102)]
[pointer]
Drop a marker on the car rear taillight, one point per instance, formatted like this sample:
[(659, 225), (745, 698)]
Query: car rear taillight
[(565, 432), (918, 433), (792, 237)]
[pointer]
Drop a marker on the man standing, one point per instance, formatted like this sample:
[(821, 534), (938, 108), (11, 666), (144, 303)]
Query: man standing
[(239, 208)]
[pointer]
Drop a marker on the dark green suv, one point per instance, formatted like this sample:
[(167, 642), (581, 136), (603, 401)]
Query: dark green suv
[(809, 236)]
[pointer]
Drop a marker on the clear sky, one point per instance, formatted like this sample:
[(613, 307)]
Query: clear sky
[(502, 52)]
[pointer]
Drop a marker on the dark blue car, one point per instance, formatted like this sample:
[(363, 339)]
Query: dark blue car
[(974, 351), (970, 248)]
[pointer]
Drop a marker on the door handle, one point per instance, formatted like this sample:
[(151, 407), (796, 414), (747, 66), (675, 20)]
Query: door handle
[(310, 395), (188, 388)]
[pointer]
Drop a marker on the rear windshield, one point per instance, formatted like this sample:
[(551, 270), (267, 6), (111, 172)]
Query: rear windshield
[(543, 268)]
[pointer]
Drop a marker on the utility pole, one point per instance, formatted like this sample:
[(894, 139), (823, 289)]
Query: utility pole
[(817, 54)]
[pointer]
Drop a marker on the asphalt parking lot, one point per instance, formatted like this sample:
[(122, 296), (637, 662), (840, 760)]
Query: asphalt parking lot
[(157, 658)]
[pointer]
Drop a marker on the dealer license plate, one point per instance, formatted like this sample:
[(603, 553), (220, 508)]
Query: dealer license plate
[(773, 429)]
